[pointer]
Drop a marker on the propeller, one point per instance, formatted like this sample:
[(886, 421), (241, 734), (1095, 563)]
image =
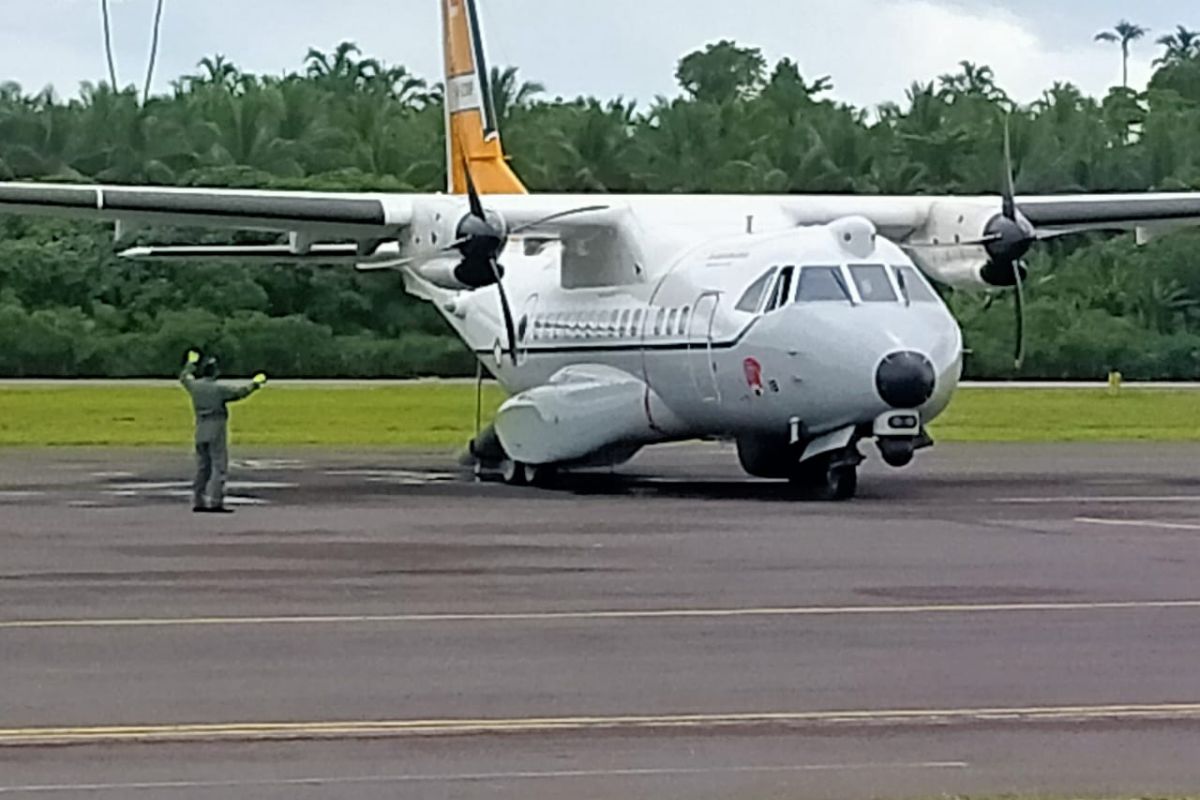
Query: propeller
[(1008, 239), (481, 239)]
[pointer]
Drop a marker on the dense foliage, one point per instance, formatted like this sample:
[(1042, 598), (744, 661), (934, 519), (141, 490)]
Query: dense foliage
[(67, 307)]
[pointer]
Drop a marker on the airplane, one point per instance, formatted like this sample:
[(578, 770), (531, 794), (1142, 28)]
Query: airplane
[(797, 326)]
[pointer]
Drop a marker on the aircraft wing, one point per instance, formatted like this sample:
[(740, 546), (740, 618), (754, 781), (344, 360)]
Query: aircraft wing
[(313, 215), (1111, 212)]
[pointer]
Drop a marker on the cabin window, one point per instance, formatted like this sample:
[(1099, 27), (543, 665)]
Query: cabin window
[(822, 284), (637, 323), (670, 330), (873, 283), (783, 289), (683, 320), (659, 320), (625, 317), (914, 287), (752, 299)]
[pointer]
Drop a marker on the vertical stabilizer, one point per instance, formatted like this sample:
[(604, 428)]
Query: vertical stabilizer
[(472, 134)]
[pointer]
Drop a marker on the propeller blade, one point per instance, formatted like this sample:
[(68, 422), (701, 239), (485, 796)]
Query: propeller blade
[(1019, 305), (995, 237), (383, 266), (510, 327), (556, 216), (472, 192), (1010, 181), (1047, 236)]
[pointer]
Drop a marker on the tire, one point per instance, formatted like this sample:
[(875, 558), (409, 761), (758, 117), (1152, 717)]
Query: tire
[(540, 475), (825, 481), (513, 472)]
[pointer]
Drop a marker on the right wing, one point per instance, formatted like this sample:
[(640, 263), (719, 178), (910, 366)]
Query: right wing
[(308, 216)]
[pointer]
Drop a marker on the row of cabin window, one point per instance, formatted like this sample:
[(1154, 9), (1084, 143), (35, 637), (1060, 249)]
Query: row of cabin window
[(619, 324), (828, 284)]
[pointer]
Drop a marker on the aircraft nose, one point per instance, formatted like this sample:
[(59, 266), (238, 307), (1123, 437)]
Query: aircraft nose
[(905, 380)]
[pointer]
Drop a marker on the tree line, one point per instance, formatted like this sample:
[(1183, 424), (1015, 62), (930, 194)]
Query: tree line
[(740, 124)]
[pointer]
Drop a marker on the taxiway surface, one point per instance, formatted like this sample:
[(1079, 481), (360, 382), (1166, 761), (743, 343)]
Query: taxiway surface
[(998, 619)]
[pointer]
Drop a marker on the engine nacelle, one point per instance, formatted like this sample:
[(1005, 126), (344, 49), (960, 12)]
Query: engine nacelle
[(434, 227), (947, 248), (443, 273)]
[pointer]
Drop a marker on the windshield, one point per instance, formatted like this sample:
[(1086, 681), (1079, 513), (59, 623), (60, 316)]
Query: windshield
[(822, 284), (873, 283), (914, 287)]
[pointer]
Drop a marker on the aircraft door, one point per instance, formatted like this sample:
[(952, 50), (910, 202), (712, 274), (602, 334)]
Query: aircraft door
[(701, 361)]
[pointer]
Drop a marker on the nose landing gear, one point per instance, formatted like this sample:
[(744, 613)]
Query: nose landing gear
[(829, 478)]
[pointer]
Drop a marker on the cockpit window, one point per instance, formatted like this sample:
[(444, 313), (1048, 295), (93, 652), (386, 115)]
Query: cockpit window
[(873, 283), (753, 297), (783, 289), (822, 284), (914, 287)]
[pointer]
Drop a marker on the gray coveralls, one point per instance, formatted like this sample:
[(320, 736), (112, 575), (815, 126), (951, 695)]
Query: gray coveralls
[(209, 400)]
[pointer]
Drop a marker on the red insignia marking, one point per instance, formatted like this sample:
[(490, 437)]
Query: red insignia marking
[(754, 375)]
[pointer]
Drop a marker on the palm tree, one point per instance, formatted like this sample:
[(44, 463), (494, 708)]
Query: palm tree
[(342, 67), (1181, 46), (158, 14), (108, 43), (215, 71), (1125, 33), (509, 92)]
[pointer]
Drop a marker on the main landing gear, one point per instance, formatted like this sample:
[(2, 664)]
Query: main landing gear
[(516, 473), (829, 478)]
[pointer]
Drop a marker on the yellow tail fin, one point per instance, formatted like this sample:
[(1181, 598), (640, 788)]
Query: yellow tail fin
[(472, 134)]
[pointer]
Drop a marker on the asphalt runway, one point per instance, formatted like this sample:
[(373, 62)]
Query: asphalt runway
[(376, 625)]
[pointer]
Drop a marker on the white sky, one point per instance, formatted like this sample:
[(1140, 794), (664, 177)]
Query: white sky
[(873, 48)]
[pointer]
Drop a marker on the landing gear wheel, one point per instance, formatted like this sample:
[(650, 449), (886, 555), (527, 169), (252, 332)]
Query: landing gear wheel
[(513, 472), (827, 479), (541, 476)]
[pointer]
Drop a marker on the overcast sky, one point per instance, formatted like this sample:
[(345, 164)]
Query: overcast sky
[(872, 48)]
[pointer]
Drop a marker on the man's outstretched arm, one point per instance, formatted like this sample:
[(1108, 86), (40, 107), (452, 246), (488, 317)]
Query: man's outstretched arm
[(189, 369), (233, 394)]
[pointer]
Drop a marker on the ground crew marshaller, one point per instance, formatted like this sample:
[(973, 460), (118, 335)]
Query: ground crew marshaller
[(209, 400)]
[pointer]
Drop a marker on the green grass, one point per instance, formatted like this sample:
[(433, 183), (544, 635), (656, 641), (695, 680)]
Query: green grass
[(1071, 415), (443, 416), (421, 415)]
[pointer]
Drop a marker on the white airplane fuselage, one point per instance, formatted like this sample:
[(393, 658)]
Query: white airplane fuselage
[(712, 361)]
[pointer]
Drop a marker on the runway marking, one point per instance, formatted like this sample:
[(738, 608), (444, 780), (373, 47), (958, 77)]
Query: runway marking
[(397, 476), (1098, 499), (169, 486), (600, 616), (183, 494), (375, 729), (480, 777), (1139, 523)]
